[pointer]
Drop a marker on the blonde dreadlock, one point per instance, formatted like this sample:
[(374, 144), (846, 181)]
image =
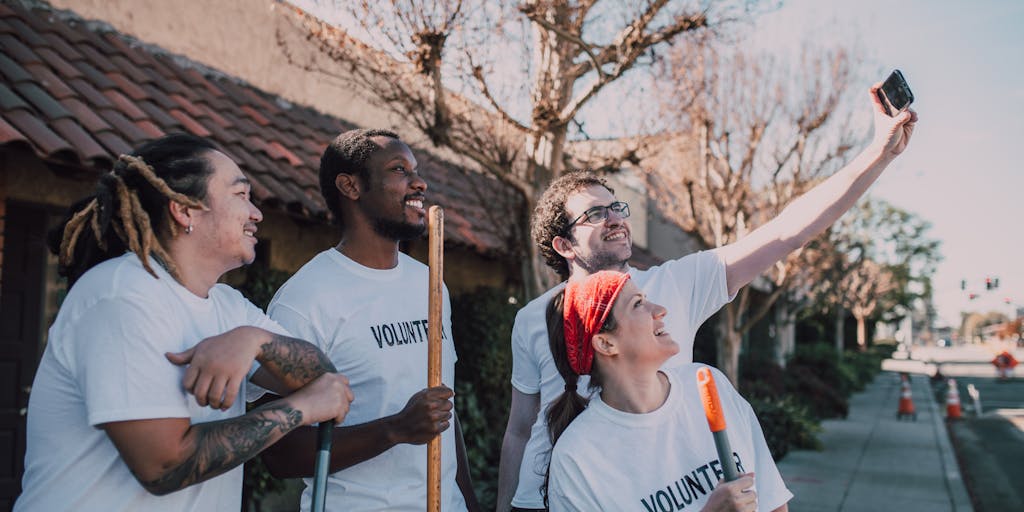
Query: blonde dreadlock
[(116, 216)]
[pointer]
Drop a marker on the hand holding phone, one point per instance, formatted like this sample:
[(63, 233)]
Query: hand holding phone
[(895, 94)]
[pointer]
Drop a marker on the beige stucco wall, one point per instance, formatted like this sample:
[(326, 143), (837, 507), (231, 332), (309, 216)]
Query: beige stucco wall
[(241, 38)]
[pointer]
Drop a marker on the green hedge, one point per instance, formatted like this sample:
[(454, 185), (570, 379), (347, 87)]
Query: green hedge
[(482, 327)]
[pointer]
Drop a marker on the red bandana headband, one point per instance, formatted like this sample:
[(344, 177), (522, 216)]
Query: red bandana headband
[(587, 304)]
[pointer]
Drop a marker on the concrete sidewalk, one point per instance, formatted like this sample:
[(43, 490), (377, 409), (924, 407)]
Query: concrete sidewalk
[(872, 462)]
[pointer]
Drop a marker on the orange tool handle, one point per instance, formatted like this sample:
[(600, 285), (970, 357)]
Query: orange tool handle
[(709, 397)]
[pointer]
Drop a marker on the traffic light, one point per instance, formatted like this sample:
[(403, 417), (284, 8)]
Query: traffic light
[(995, 283), (988, 283), (963, 284), (972, 296)]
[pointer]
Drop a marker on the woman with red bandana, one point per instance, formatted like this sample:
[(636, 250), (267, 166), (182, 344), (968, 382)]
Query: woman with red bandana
[(643, 442)]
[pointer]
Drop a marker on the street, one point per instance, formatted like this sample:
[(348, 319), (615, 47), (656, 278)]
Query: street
[(990, 445)]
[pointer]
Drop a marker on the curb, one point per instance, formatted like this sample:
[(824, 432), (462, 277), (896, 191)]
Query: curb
[(958, 496)]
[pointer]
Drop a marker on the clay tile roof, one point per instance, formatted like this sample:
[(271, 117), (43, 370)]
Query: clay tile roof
[(77, 94)]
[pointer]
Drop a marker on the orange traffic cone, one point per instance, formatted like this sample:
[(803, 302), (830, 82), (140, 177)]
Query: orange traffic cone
[(906, 406), (952, 401)]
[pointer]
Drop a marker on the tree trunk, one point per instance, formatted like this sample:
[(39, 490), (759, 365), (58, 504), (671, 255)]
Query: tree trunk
[(729, 341), (861, 334), (840, 320), (785, 333)]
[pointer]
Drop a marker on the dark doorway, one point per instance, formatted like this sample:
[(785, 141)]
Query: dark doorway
[(21, 325)]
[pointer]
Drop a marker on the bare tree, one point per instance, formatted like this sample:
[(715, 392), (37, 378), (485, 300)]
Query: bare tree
[(435, 62), (755, 134), (863, 291)]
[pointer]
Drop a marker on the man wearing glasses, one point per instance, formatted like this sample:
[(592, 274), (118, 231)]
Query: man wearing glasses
[(581, 228)]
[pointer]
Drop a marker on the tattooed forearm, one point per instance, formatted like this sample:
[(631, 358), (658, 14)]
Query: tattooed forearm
[(293, 361), (219, 446)]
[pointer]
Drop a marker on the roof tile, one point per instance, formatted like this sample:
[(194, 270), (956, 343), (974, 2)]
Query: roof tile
[(90, 93), (127, 86), (151, 129), (190, 124), (61, 66), (135, 56), (46, 78), (86, 147), (113, 142), (10, 134), (256, 116), (16, 50), (125, 105), (93, 75), (158, 115), (114, 93), (127, 129), (37, 132), (184, 103), (158, 95), (9, 100), (41, 100), (12, 71), (59, 45), (85, 115), (25, 33)]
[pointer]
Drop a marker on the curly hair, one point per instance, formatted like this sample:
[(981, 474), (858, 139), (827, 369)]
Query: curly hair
[(550, 218), (347, 154)]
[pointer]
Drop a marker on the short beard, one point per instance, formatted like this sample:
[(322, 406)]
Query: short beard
[(398, 231), (603, 261)]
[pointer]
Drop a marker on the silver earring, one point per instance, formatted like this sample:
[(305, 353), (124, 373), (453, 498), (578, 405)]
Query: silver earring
[(188, 229)]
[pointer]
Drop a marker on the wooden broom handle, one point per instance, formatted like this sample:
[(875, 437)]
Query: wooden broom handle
[(435, 260)]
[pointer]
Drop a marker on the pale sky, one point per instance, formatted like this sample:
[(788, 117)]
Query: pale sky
[(965, 63)]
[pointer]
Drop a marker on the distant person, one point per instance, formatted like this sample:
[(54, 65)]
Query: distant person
[(365, 304), (643, 441), (110, 424), (581, 228)]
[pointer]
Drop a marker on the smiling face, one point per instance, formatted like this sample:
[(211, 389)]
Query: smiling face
[(393, 198), (589, 247), (639, 336), (227, 230)]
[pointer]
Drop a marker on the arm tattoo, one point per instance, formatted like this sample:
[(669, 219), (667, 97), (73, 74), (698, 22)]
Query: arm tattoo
[(294, 361), (219, 446)]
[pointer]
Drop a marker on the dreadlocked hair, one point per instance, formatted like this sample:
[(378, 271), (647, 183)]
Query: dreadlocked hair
[(550, 219), (560, 413), (128, 210), (347, 154)]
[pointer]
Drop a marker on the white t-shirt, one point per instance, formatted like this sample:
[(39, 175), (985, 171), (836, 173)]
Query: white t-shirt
[(105, 362), (692, 288), (373, 325), (660, 461)]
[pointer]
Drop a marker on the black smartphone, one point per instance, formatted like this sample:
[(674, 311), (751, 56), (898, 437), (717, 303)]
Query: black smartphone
[(895, 94)]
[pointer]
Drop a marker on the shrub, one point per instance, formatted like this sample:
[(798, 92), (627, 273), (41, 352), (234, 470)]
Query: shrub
[(787, 425), (482, 327)]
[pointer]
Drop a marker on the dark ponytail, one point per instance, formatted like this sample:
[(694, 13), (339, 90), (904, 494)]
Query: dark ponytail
[(128, 211), (569, 404)]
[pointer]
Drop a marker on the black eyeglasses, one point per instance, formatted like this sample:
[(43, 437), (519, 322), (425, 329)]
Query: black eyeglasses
[(598, 214)]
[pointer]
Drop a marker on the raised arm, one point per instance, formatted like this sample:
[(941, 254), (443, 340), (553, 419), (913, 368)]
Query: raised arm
[(424, 416), (820, 207), (169, 454), (521, 417)]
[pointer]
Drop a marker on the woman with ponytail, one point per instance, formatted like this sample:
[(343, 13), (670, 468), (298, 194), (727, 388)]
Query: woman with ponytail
[(111, 425), (642, 442)]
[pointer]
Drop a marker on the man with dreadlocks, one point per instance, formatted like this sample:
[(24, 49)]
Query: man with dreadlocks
[(365, 304), (581, 228), (110, 424)]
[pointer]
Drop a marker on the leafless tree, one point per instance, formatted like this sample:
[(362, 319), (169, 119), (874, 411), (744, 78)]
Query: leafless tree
[(755, 133), (435, 63)]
